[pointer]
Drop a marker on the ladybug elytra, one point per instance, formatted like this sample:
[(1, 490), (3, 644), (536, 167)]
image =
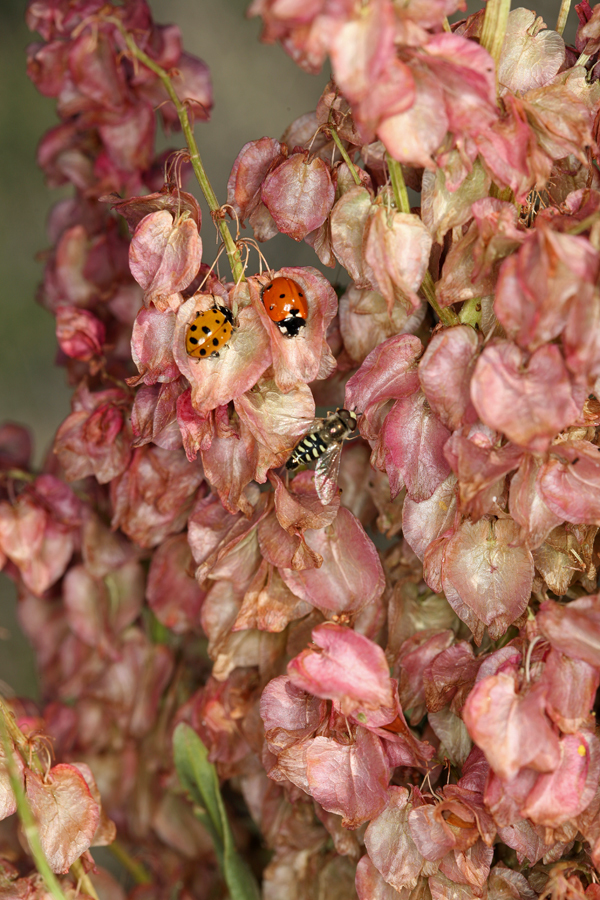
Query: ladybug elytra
[(208, 332), (285, 303)]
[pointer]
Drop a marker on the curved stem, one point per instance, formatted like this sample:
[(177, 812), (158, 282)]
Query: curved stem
[(446, 316), (232, 251), (15, 734), (26, 816), (344, 153), (535, 641), (139, 873), (83, 880), (398, 184)]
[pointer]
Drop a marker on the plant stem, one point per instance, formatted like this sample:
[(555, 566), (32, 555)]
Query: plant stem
[(84, 880), (494, 27), (344, 153), (565, 6), (398, 184), (446, 316), (470, 313), (26, 816), (139, 872), (15, 734), (232, 251), (586, 223)]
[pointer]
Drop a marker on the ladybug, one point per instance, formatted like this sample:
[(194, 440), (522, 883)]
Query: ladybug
[(286, 305), (208, 332)]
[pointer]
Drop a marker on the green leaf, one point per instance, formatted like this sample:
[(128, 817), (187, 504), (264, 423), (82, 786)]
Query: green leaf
[(199, 778)]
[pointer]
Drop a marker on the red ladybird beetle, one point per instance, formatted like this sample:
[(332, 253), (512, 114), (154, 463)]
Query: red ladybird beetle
[(285, 303), (208, 332)]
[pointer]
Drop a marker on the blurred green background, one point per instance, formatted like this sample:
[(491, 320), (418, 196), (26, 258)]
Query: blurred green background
[(257, 90)]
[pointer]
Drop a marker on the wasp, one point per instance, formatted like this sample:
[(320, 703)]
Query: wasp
[(323, 443)]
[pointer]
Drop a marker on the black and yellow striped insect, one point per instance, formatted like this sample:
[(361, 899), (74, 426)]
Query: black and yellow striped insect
[(208, 332), (323, 443)]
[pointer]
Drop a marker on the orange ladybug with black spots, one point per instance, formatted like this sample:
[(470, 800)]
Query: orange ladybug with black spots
[(286, 305), (208, 332)]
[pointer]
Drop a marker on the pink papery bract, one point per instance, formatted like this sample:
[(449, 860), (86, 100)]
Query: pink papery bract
[(348, 779), (526, 503), (530, 57), (511, 729), (487, 576), (537, 285), (95, 439), (164, 256), (350, 576), (240, 364), (412, 443), (425, 521), (173, 593), (153, 498), (66, 813), (289, 713), (37, 532), (251, 166), (299, 194), (8, 801), (569, 482), (307, 356), (79, 333), (396, 248), (276, 420), (152, 346), (344, 666), (573, 629), (445, 372), (388, 373), (390, 844), (529, 400), (566, 792)]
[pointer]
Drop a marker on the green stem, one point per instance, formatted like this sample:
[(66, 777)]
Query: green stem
[(19, 475), (398, 184), (499, 193), (470, 313), (344, 153), (563, 13), (494, 27), (446, 25), (586, 223), (446, 316), (17, 737), (232, 251), (83, 880), (26, 816), (583, 60), (139, 873)]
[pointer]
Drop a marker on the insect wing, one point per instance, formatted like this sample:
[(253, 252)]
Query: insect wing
[(326, 473), (310, 426)]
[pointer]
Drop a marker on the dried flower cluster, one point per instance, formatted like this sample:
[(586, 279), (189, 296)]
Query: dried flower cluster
[(404, 716)]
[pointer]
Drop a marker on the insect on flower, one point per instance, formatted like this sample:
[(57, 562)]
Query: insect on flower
[(286, 305), (323, 443), (208, 332)]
